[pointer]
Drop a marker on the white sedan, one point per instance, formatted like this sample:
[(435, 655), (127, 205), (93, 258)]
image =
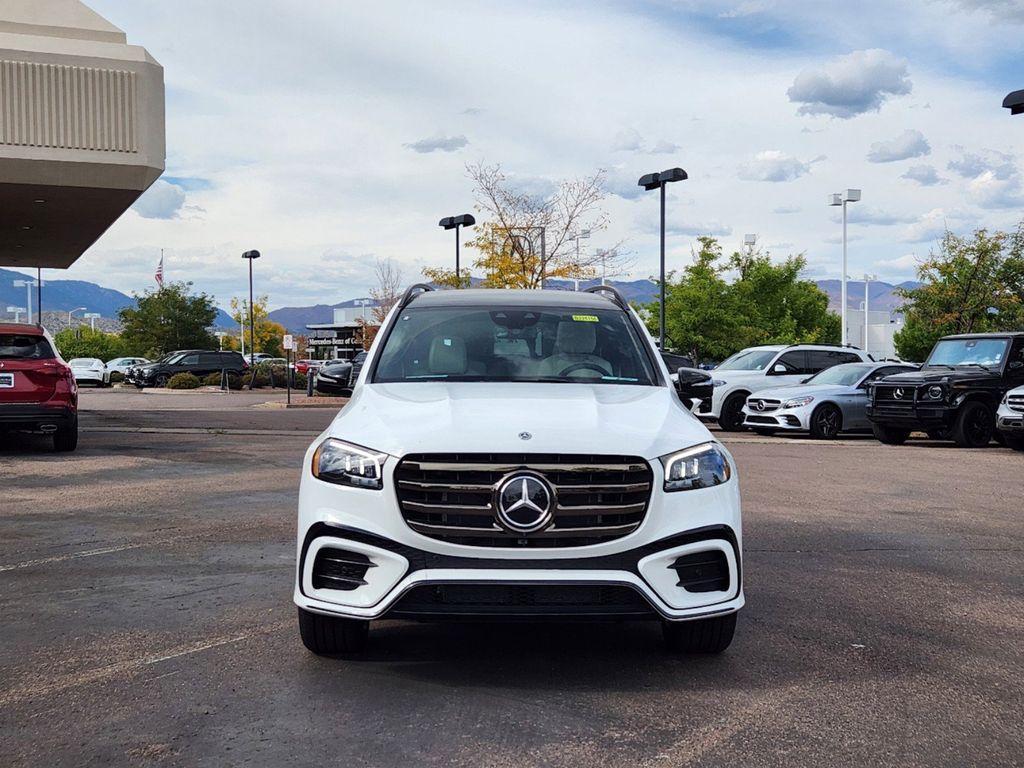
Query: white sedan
[(91, 370), (122, 364)]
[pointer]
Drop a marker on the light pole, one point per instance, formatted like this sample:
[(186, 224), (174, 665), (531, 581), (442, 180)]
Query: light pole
[(27, 285), (867, 298), (1014, 102), (658, 181), (92, 317), (16, 311), (750, 242), (842, 198), (241, 328), (454, 222), (72, 311), (251, 256), (584, 235), (220, 339)]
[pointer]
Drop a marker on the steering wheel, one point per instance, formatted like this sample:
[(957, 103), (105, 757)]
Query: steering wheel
[(582, 367)]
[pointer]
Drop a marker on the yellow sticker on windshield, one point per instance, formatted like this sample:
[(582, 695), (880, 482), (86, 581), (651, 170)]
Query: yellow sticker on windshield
[(585, 318)]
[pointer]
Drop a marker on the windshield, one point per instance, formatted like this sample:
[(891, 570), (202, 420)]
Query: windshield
[(597, 346), (749, 360), (24, 346), (986, 353), (845, 375)]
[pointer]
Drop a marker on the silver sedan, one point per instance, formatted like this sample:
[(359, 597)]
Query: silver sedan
[(825, 405)]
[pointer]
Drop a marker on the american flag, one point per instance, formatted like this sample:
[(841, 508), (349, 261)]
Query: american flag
[(160, 271)]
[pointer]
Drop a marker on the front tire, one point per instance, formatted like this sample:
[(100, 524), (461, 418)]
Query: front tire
[(826, 422), (66, 440), (974, 425), (731, 417), (701, 636), (332, 635), (161, 380), (889, 435)]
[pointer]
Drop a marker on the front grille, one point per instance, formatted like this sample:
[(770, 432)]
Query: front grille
[(761, 419), (340, 569), (520, 600), (888, 393), (1016, 403), (451, 497), (767, 405), (702, 571)]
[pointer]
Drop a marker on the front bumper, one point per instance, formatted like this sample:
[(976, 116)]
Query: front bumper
[(792, 419), (912, 416), (1009, 421), (525, 581)]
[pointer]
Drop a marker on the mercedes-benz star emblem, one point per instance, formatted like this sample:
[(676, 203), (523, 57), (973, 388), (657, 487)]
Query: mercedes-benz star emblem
[(759, 405), (899, 393), (525, 435), (524, 503)]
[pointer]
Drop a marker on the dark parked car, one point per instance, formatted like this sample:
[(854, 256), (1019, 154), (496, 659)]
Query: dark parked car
[(956, 393), (199, 362), (338, 377), (37, 389)]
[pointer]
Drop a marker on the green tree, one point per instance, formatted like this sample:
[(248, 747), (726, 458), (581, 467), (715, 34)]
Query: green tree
[(710, 318), (168, 318), (269, 335), (972, 285), (83, 341)]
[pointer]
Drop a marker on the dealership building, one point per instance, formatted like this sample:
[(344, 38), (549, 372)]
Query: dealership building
[(340, 339), (81, 129)]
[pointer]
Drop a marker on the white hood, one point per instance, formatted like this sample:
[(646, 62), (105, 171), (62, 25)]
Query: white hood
[(472, 417)]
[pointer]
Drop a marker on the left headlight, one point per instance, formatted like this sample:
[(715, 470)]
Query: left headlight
[(701, 466), (336, 461), (935, 392), (798, 402)]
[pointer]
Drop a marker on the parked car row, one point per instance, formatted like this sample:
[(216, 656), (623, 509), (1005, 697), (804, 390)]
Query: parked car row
[(338, 377), (970, 390), (198, 362)]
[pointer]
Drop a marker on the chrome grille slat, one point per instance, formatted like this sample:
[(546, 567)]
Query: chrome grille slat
[(451, 497)]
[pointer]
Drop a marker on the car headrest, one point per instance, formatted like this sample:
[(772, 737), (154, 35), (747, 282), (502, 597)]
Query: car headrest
[(575, 338), (447, 355)]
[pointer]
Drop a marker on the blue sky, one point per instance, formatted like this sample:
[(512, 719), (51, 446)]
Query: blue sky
[(329, 135)]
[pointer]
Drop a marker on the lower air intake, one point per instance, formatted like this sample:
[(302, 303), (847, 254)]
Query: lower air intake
[(702, 571), (340, 569)]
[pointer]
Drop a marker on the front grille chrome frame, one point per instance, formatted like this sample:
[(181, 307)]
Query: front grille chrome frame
[(451, 497)]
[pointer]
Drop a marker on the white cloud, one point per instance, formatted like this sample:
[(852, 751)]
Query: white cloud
[(925, 175), (1002, 10), (438, 144), (988, 190), (931, 226), (786, 209), (910, 143), (712, 228), (663, 147), (901, 265), (627, 140), (160, 201), (773, 165), (747, 8), (865, 214), (851, 85)]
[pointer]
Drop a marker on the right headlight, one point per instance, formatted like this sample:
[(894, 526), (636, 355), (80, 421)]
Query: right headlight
[(701, 466), (718, 383), (336, 461)]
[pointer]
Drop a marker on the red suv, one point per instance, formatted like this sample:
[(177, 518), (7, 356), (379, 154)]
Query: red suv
[(37, 389)]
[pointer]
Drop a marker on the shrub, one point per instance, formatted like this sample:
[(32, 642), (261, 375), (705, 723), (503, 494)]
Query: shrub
[(211, 380), (184, 381)]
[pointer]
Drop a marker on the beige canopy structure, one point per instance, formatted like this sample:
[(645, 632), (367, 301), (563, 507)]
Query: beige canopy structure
[(81, 129)]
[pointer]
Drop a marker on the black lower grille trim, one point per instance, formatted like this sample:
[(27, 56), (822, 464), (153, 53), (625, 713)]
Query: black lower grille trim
[(462, 600), (702, 571), (340, 569)]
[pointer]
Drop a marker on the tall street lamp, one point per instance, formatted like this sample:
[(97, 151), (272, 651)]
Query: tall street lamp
[(584, 235), (454, 222), (1014, 102), (27, 285), (251, 256), (658, 181), (842, 198), (867, 291), (16, 311), (92, 317), (72, 311)]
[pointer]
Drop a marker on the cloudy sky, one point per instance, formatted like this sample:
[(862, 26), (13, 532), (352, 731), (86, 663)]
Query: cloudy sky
[(330, 133)]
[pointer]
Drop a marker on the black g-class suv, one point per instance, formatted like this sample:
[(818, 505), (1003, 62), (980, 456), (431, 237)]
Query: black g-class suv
[(954, 395)]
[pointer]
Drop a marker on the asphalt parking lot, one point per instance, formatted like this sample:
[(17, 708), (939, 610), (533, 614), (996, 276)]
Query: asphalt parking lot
[(145, 596)]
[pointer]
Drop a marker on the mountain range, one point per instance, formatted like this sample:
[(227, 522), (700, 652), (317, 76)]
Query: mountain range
[(64, 295)]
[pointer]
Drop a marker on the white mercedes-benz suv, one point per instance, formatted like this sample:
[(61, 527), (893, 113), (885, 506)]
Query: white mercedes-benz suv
[(756, 368), (519, 454)]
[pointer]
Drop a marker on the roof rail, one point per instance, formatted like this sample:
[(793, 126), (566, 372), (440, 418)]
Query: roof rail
[(412, 292), (617, 297)]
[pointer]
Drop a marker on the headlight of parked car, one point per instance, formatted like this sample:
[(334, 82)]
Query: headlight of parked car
[(798, 402), (718, 383), (934, 392), (701, 466), (336, 461)]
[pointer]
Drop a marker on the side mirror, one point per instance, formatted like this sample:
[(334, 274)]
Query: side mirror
[(779, 369), (1016, 365), (694, 384)]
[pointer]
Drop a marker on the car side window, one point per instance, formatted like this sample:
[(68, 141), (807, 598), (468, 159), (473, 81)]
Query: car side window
[(793, 362), (820, 359), (212, 360), (189, 360), (849, 357), (1015, 363)]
